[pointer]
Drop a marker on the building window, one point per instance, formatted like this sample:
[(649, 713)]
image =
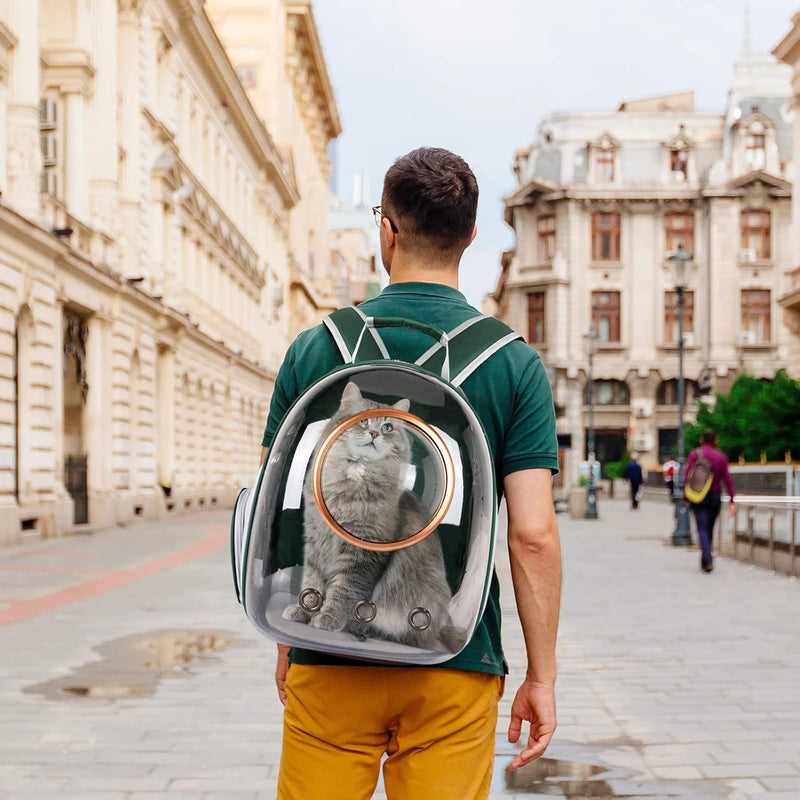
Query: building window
[(679, 165), (546, 233), (605, 237), (755, 154), (667, 392), (680, 231), (48, 136), (756, 234), (536, 318), (608, 393), (604, 166), (756, 316), (671, 315), (605, 316)]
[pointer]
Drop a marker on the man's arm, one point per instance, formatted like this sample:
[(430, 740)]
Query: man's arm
[(535, 555)]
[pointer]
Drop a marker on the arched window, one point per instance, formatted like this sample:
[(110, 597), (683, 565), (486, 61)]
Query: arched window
[(608, 393), (667, 392)]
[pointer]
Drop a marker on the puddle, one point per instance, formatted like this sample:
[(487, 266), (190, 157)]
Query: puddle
[(134, 665), (559, 778)]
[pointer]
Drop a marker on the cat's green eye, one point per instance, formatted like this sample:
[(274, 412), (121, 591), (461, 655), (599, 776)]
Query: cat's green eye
[(363, 423), (387, 427)]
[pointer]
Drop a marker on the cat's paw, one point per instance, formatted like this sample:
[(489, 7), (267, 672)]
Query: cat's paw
[(296, 614), (327, 622)]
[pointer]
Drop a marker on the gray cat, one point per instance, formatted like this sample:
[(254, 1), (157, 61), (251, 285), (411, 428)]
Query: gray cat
[(362, 483)]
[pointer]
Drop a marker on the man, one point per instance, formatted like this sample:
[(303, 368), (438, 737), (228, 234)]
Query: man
[(437, 724), (670, 468), (633, 473), (707, 511)]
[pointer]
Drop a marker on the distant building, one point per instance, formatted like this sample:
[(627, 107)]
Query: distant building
[(152, 233), (602, 199), (353, 245), (788, 51)]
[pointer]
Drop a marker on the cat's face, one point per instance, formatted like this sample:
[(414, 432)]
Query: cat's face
[(375, 438)]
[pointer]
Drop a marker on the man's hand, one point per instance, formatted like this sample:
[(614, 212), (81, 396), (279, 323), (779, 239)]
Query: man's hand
[(280, 671), (732, 509), (536, 703)]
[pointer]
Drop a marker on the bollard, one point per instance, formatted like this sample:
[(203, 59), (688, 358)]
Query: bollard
[(771, 540), (794, 542), (751, 524)]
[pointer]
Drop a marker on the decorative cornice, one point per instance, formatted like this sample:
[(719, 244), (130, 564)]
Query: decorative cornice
[(308, 48), (69, 70)]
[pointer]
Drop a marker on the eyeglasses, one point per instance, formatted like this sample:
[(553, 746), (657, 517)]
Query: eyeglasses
[(379, 215)]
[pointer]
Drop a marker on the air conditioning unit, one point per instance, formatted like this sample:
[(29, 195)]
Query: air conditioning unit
[(746, 338), (688, 339), (640, 442), (747, 255)]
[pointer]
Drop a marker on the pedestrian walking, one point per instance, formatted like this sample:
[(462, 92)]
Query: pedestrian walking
[(706, 471), (633, 474), (435, 724), (669, 470)]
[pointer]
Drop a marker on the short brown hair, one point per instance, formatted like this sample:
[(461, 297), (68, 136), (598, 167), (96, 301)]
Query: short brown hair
[(431, 195)]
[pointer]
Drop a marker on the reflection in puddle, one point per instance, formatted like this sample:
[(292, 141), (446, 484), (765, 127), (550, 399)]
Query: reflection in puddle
[(133, 666), (559, 778)]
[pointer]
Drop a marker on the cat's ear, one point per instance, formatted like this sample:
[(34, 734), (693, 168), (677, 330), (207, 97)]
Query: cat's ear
[(351, 394), (402, 405)]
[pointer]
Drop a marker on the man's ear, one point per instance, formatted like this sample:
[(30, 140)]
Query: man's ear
[(472, 235)]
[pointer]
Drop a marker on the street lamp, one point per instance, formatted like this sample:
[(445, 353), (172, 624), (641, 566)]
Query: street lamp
[(591, 495), (680, 536)]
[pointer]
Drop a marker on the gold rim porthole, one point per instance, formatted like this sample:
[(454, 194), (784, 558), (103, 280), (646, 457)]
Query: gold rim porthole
[(429, 434)]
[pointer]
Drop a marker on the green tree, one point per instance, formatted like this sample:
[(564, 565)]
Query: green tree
[(755, 416)]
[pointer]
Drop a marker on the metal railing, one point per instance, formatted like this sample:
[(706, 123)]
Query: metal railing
[(769, 536)]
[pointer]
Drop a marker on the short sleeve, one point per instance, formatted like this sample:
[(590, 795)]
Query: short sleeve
[(531, 441), (283, 396)]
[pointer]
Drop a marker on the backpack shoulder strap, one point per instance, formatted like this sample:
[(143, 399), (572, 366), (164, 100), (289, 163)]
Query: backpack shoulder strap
[(347, 326), (471, 344)]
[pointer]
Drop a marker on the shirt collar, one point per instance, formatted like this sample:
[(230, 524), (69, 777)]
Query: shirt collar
[(421, 287)]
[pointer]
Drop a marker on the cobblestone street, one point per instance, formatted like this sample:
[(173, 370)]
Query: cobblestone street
[(672, 683)]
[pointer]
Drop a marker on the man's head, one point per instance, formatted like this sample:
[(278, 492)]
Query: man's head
[(708, 437), (429, 205)]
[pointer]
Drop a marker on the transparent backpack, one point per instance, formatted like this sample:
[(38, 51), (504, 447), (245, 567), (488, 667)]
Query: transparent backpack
[(370, 530)]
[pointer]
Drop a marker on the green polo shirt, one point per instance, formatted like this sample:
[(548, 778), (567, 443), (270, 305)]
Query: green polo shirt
[(510, 393)]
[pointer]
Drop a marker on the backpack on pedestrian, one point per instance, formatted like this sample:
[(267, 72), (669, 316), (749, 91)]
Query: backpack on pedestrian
[(699, 479), (370, 530)]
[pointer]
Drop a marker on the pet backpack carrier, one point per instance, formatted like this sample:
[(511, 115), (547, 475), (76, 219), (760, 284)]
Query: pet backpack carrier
[(370, 530)]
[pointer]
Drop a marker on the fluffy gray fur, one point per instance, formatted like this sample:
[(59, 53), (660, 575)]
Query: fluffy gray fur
[(362, 482)]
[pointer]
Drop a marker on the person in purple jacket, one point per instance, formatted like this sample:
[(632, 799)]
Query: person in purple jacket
[(707, 511)]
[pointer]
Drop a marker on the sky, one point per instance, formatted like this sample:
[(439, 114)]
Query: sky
[(476, 77)]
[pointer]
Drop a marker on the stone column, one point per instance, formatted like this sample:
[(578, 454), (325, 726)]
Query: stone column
[(97, 420), (103, 135), (165, 415), (76, 192), (130, 136), (24, 160)]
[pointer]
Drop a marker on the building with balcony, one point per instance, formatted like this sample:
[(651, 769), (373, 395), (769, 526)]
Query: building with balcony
[(788, 51), (151, 231), (602, 199)]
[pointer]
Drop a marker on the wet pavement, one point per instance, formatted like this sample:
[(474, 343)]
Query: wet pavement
[(128, 672)]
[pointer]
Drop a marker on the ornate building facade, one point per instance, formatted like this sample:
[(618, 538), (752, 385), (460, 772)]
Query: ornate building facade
[(150, 231), (602, 201), (788, 51)]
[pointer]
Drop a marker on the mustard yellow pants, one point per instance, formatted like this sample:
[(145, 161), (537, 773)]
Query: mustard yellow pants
[(436, 726)]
